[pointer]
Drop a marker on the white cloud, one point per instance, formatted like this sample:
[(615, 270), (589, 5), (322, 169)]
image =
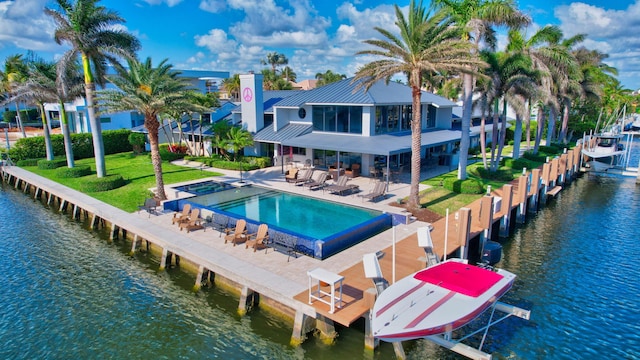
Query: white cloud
[(24, 25), (170, 3), (216, 40), (213, 6), (609, 31), (266, 22)]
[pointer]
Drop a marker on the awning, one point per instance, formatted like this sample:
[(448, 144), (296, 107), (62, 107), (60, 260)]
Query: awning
[(388, 144)]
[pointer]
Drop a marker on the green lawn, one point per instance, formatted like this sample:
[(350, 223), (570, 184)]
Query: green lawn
[(136, 170), (438, 199)]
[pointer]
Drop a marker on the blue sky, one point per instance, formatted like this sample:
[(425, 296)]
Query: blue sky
[(315, 35)]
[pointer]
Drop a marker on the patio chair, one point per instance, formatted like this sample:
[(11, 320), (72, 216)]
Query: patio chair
[(239, 233), (317, 183), (305, 177), (259, 239), (378, 190), (181, 216), (341, 186), (291, 175), (193, 223), (150, 206)]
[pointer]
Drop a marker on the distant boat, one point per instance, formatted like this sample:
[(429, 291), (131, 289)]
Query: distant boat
[(604, 150), (437, 300), (635, 125)]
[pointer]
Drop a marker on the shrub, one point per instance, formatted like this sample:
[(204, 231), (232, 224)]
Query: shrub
[(501, 175), (468, 186), (167, 155), (45, 164), (537, 158), (28, 162), (137, 141), (75, 172), (115, 141), (517, 164), (106, 183)]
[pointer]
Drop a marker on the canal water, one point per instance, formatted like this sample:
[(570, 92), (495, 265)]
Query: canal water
[(68, 293)]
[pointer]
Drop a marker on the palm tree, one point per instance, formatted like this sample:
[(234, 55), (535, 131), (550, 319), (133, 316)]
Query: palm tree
[(478, 17), (426, 44), (329, 77), (232, 86), (151, 91), (13, 75), (237, 139), (288, 74), (44, 85), (91, 32), (547, 55), (208, 101), (275, 59)]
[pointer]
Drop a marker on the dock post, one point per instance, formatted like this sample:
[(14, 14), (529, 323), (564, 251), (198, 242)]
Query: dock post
[(63, 203), (370, 342), (546, 180), (49, 199), (198, 284), (535, 189), (163, 259), (114, 228), (522, 200), (37, 193), (562, 168), (246, 300), (486, 220), (505, 223), (74, 214), (93, 221), (302, 324), (464, 227), (133, 245), (327, 329)]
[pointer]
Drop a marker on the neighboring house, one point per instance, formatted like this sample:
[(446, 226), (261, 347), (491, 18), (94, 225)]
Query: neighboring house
[(204, 81), (305, 84), (337, 124)]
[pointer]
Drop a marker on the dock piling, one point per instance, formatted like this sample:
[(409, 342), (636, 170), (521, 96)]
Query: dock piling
[(302, 324), (246, 300)]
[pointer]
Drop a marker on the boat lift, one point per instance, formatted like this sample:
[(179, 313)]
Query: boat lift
[(372, 271)]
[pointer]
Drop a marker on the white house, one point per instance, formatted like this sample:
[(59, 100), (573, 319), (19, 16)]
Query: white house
[(339, 125)]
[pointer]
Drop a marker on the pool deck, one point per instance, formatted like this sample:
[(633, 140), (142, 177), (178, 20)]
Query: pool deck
[(409, 257)]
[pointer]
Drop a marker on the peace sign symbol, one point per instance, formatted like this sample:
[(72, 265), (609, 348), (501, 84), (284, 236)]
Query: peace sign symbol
[(247, 94)]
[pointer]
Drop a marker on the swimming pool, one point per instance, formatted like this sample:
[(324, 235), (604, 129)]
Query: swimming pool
[(322, 228)]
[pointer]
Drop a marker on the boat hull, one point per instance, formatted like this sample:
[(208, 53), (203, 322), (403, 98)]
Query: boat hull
[(433, 302)]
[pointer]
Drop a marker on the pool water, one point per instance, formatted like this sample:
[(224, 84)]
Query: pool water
[(336, 226), (204, 187)]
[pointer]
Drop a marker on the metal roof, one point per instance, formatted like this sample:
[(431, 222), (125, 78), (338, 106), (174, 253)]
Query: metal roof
[(288, 132), (344, 92)]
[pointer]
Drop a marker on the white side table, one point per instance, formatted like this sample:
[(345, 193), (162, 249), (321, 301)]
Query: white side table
[(318, 275)]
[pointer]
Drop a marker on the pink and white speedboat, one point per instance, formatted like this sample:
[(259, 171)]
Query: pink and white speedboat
[(437, 300)]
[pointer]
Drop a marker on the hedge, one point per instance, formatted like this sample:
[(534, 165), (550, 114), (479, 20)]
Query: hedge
[(75, 172), (468, 186), (169, 156), (501, 175), (115, 141), (45, 164), (248, 162), (106, 183), (27, 162)]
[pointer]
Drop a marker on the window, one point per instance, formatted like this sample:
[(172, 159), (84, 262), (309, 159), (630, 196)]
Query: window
[(105, 120), (342, 119)]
